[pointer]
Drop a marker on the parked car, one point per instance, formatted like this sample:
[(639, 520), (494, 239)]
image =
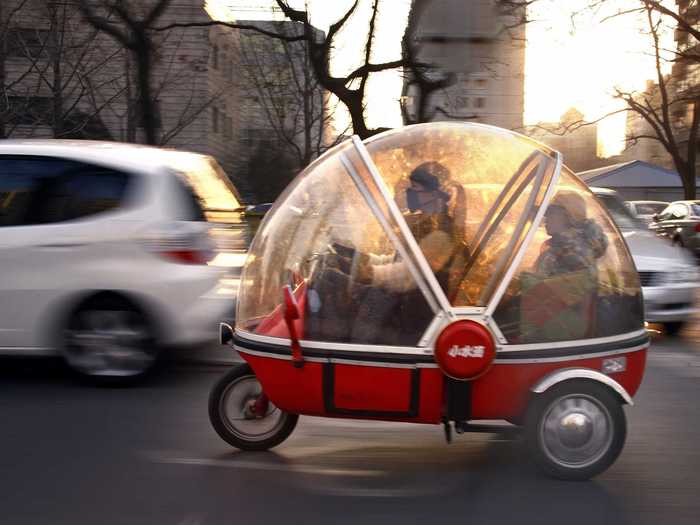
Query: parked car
[(679, 222), (645, 210), (104, 249), (668, 274)]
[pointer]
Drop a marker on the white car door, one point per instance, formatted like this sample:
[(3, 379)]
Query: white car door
[(44, 253)]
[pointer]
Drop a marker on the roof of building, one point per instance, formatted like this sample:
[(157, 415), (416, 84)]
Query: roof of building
[(634, 174)]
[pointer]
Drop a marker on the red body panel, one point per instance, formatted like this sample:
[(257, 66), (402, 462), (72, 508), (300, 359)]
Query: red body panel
[(504, 391), (501, 393)]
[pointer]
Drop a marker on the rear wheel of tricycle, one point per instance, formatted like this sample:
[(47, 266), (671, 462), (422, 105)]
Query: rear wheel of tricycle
[(243, 416), (576, 429)]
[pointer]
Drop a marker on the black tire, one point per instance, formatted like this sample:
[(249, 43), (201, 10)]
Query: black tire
[(591, 448), (109, 340), (673, 328), (242, 377)]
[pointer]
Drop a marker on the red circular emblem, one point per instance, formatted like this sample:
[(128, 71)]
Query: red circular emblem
[(465, 350)]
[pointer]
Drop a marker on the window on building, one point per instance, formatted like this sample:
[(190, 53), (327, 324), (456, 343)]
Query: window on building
[(461, 102), (481, 83), (215, 120), (480, 102), (26, 42), (27, 111)]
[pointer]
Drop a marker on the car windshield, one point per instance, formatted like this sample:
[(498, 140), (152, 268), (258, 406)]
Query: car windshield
[(621, 215), (650, 208)]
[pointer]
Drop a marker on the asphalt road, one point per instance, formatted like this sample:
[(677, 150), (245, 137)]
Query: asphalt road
[(72, 454)]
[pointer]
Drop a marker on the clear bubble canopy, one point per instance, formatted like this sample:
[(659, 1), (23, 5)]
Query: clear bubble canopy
[(383, 240)]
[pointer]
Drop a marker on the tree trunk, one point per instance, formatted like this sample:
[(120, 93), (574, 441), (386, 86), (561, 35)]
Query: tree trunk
[(143, 55), (687, 175), (56, 81)]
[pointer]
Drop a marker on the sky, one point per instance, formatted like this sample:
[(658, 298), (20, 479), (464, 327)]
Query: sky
[(574, 56)]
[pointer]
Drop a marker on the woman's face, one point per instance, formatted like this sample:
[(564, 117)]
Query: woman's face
[(423, 198)]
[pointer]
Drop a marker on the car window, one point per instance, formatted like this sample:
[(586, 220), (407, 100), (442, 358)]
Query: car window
[(695, 210), (20, 176), (190, 205), (649, 208), (41, 190), (76, 194), (621, 215)]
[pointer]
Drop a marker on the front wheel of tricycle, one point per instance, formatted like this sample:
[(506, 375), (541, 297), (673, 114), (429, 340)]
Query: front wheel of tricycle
[(243, 416), (576, 429)]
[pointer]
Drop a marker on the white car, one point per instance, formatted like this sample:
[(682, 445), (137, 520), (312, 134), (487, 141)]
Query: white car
[(645, 210), (668, 274), (105, 252)]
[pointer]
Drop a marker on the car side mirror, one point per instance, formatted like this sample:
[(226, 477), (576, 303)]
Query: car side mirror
[(225, 333), (655, 217)]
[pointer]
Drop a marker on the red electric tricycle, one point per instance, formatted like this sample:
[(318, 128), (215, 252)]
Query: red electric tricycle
[(447, 273)]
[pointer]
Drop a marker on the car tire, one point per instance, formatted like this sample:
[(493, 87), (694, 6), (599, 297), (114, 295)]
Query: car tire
[(230, 403), (110, 340), (575, 430), (673, 328)]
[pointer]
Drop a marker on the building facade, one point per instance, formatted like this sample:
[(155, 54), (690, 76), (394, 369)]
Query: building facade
[(62, 79), (483, 47)]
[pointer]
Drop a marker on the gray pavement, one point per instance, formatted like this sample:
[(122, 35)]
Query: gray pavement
[(71, 454)]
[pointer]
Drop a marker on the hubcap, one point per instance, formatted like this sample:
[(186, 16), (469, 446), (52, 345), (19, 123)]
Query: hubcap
[(576, 431), (109, 343), (237, 411)]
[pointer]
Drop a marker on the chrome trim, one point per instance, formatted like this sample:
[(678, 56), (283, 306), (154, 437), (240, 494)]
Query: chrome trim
[(25, 350), (575, 357), (417, 274), (428, 274), (336, 360), (281, 341), (577, 342), (468, 310), (283, 357), (581, 373), (515, 263), (536, 181), (434, 328), (378, 364), (496, 332)]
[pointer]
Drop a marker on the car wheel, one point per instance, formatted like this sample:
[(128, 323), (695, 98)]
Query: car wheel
[(677, 241), (575, 430), (673, 328), (110, 339), (233, 406)]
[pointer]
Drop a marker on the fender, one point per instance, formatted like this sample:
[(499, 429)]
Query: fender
[(565, 374)]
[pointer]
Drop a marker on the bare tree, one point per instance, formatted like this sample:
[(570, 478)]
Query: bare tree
[(351, 88), (279, 85), (669, 108), (130, 26), (51, 72)]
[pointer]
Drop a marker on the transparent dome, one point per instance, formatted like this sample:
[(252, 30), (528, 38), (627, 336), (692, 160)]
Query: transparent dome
[(380, 241)]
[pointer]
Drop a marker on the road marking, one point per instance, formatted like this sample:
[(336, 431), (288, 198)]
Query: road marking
[(261, 465)]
